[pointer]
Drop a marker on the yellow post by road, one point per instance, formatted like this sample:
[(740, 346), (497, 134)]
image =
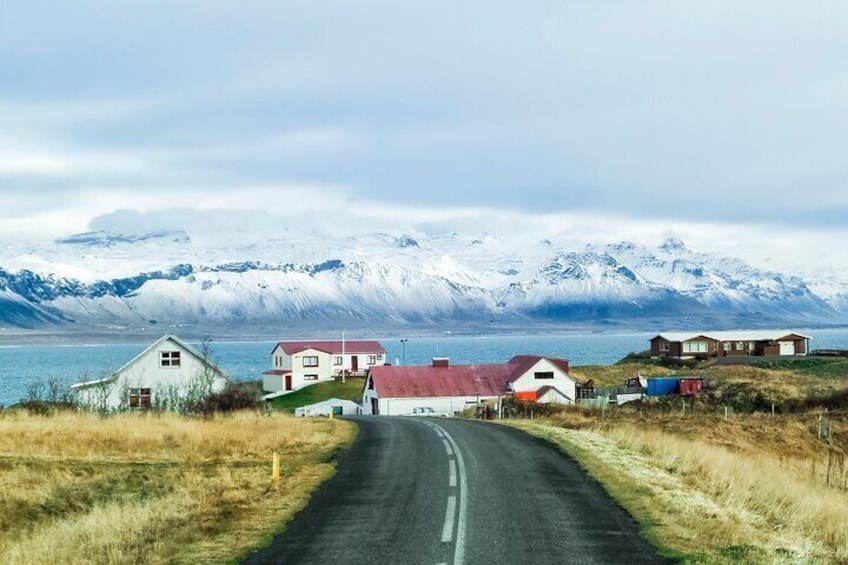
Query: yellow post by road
[(275, 468), (331, 413)]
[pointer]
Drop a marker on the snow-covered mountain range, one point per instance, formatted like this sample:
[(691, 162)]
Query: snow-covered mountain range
[(384, 281)]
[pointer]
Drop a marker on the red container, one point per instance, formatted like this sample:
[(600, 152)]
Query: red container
[(688, 387)]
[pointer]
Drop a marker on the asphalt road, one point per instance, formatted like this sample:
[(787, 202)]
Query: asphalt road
[(439, 491)]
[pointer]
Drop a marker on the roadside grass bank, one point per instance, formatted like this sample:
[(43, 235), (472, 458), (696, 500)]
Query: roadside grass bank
[(351, 389), (154, 487), (750, 488)]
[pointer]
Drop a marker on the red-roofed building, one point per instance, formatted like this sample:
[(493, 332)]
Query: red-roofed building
[(448, 389), (297, 364)]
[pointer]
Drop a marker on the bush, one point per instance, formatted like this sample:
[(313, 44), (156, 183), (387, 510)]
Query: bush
[(834, 401), (235, 396), (643, 357), (47, 396)]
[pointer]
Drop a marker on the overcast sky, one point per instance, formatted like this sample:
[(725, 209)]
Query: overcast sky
[(713, 121)]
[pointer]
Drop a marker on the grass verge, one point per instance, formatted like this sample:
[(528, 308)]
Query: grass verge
[(154, 488)]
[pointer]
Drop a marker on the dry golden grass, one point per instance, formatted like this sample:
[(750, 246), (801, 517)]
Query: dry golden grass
[(154, 488), (746, 489), (614, 375)]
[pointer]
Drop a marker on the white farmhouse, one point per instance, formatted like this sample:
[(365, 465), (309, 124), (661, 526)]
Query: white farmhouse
[(164, 375), (302, 363), (448, 389)]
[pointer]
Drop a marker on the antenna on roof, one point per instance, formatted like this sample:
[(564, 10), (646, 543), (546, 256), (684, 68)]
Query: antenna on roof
[(343, 356)]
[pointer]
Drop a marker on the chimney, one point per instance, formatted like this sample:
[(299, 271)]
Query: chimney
[(441, 362)]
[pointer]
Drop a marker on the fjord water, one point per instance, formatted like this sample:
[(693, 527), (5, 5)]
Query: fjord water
[(22, 365)]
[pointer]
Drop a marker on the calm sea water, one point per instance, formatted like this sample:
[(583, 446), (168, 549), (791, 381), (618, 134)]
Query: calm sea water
[(22, 365)]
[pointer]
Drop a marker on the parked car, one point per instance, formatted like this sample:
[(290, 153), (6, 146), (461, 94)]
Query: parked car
[(426, 411)]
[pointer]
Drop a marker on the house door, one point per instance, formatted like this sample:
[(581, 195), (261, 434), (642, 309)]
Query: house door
[(787, 347), (354, 364), (375, 406), (288, 382)]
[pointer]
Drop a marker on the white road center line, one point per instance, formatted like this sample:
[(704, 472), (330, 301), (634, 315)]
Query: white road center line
[(450, 519), (448, 447), (462, 514), (452, 469)]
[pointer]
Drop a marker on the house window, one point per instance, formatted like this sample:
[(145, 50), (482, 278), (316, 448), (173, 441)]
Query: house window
[(372, 359), (140, 398), (694, 347), (752, 346), (544, 375), (665, 346), (337, 360), (370, 384), (310, 377), (169, 359), (740, 345), (726, 346), (310, 361)]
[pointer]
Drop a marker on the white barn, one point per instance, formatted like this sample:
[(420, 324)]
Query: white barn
[(447, 389), (297, 364), (164, 375)]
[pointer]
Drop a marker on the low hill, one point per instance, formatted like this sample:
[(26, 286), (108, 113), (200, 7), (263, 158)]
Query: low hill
[(351, 389)]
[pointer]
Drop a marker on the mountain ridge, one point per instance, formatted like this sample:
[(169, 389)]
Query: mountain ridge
[(382, 280)]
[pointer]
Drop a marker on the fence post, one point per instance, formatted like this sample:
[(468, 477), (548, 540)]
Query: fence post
[(275, 468)]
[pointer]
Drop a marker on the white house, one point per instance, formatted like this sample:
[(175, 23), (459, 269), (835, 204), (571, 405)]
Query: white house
[(450, 388), (164, 375), (302, 363), (333, 406)]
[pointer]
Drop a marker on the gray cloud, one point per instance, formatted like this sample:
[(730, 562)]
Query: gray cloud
[(654, 110)]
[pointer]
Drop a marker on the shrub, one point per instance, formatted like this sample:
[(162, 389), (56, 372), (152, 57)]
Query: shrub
[(638, 357), (45, 397), (833, 401), (235, 396)]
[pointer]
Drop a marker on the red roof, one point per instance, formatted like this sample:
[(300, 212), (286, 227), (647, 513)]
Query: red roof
[(332, 347), (455, 380)]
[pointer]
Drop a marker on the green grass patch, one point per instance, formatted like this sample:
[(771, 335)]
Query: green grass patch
[(351, 389), (817, 366)]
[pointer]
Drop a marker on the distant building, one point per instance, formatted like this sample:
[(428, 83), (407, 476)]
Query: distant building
[(165, 375), (334, 406), (297, 364), (448, 389), (727, 344)]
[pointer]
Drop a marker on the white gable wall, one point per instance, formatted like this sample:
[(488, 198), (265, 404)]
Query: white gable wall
[(552, 396), (280, 359), (561, 381)]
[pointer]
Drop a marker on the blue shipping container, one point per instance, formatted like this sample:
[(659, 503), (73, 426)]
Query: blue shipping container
[(662, 387)]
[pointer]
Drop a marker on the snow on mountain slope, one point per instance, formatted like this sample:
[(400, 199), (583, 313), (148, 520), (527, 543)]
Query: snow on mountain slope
[(357, 291), (720, 282), (384, 279)]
